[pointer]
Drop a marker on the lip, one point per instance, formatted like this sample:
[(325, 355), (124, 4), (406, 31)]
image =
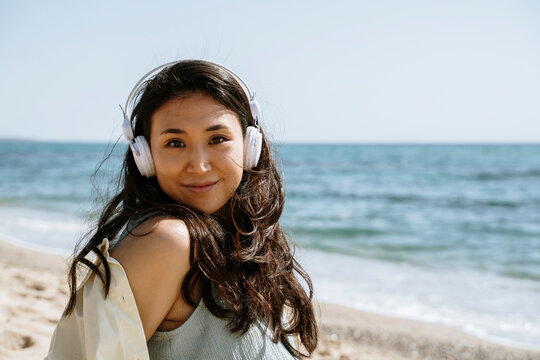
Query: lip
[(201, 187)]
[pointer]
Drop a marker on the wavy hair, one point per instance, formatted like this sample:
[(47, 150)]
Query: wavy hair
[(249, 263)]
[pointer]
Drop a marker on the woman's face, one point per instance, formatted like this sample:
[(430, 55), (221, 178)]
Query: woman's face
[(197, 147)]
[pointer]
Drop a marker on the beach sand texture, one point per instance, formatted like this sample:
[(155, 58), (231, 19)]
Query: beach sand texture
[(33, 294)]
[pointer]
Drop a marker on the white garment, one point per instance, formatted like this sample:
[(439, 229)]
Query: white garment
[(101, 328)]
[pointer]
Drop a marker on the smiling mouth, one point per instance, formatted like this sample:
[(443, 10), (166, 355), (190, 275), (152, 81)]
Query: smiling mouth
[(201, 188)]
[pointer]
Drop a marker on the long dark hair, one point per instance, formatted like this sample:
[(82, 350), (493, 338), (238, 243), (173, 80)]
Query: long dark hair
[(252, 267)]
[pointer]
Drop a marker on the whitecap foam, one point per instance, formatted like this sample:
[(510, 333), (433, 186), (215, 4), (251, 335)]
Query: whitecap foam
[(492, 307), (44, 229)]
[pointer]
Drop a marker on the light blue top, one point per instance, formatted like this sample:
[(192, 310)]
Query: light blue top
[(205, 336)]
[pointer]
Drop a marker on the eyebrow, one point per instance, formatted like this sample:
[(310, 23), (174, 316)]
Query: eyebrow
[(180, 131)]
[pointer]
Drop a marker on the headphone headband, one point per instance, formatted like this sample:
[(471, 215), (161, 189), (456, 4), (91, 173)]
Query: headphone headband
[(254, 106)]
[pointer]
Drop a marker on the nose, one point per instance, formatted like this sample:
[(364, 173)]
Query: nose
[(198, 161)]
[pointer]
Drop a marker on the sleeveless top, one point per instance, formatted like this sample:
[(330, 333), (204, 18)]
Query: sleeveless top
[(205, 336)]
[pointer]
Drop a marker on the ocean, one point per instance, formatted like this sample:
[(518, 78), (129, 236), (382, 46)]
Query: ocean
[(448, 234)]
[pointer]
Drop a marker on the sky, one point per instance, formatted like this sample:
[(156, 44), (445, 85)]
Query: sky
[(385, 71)]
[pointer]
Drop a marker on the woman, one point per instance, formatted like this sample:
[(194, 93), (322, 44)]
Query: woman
[(197, 266)]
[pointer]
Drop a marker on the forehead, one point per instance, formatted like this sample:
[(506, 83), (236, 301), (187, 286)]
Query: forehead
[(193, 112)]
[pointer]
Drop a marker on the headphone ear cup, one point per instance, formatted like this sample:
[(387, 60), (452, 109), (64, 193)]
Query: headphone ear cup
[(144, 160), (252, 147)]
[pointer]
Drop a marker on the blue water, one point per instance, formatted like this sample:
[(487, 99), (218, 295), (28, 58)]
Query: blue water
[(442, 233), (474, 206)]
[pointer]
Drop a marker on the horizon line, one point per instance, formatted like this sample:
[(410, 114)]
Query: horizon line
[(310, 142)]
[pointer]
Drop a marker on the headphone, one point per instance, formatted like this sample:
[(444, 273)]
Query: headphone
[(141, 149)]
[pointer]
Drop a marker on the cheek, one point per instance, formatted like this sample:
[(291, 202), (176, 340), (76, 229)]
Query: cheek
[(164, 165), (167, 169), (230, 158), (232, 166), (237, 157)]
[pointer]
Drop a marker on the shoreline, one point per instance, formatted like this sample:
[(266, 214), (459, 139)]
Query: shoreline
[(33, 294)]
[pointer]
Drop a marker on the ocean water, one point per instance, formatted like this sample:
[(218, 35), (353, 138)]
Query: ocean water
[(448, 234)]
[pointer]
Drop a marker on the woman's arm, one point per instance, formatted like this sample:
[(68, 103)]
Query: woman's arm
[(155, 264)]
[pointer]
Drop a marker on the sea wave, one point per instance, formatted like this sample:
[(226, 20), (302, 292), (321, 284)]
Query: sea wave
[(447, 201), (333, 233), (506, 175)]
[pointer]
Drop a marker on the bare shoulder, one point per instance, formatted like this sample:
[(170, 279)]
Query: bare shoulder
[(164, 235), (155, 257)]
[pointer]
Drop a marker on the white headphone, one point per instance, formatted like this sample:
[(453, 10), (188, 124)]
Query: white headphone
[(141, 149)]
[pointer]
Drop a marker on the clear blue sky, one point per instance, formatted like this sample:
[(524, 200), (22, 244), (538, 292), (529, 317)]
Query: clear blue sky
[(344, 71)]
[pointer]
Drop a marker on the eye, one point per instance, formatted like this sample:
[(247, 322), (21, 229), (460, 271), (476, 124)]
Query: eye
[(218, 140), (175, 144)]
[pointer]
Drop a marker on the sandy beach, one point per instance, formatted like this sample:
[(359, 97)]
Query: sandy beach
[(33, 294)]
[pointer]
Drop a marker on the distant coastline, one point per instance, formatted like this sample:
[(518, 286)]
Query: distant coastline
[(307, 143)]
